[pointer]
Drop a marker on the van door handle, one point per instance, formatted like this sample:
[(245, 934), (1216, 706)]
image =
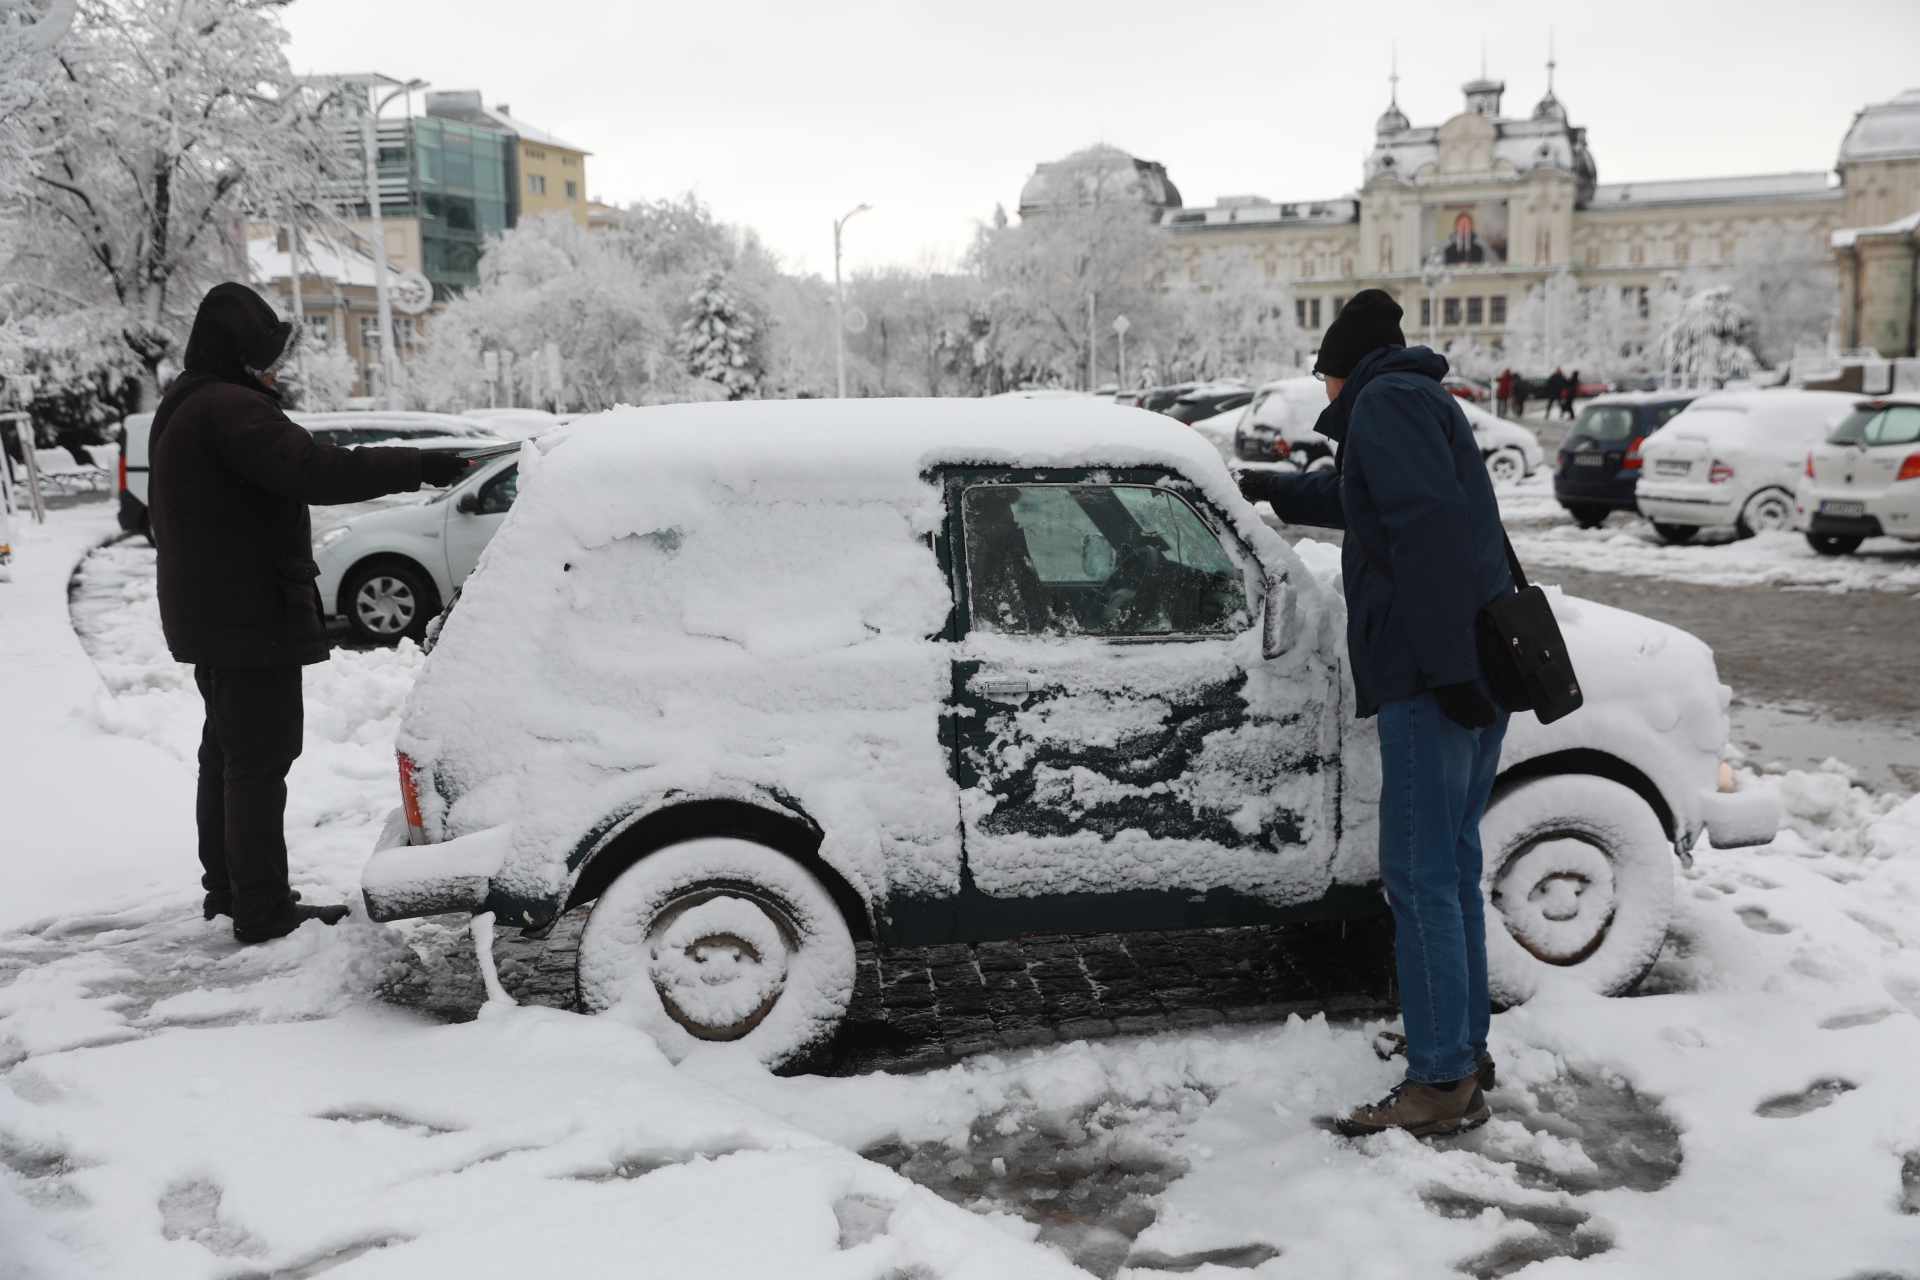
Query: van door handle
[(1001, 686)]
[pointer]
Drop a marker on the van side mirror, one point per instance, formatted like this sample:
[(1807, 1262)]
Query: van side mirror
[(1282, 623), (469, 503)]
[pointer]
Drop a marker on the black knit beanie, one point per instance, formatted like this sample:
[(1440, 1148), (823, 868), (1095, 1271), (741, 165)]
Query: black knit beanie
[(1369, 321)]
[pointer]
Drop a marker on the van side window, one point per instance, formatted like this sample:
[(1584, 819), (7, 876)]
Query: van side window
[(1091, 559)]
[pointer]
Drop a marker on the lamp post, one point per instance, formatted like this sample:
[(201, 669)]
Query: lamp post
[(1433, 275), (1120, 326), (840, 304), (370, 143)]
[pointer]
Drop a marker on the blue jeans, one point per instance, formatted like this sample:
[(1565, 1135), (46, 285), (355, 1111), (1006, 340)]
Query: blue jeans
[(1434, 781)]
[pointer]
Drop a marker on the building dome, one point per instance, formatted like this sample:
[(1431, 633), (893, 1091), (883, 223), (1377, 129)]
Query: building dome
[(1096, 174), (1549, 108), (1885, 131), (1393, 120)]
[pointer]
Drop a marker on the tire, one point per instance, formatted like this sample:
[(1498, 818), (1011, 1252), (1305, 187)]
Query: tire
[(1675, 534), (1578, 876), (1767, 511), (386, 600), (1507, 465), (1834, 544), (1589, 517), (782, 955)]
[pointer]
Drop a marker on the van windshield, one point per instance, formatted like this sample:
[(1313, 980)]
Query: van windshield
[(1604, 422)]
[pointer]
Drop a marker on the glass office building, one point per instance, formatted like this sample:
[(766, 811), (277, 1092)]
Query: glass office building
[(463, 190)]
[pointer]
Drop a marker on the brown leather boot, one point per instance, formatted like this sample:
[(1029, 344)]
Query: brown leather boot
[(1423, 1110)]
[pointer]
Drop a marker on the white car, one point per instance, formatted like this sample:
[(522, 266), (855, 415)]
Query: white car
[(1277, 430), (760, 679), (435, 431), (1733, 458), (1864, 480), (391, 569)]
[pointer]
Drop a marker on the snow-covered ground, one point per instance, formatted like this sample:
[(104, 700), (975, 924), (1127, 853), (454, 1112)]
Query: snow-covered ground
[(177, 1106)]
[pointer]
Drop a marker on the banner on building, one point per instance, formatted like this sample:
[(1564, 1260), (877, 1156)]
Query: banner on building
[(1467, 235)]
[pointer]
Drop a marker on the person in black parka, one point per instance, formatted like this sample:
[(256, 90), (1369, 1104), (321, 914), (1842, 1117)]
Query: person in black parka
[(228, 492), (1423, 554)]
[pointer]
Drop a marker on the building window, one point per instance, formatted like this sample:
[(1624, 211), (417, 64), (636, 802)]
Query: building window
[(534, 153), (1426, 311), (1313, 310), (319, 330), (1386, 253), (1681, 249), (1645, 310), (1475, 310), (404, 334), (1451, 313), (1497, 309), (573, 191), (369, 338), (537, 183)]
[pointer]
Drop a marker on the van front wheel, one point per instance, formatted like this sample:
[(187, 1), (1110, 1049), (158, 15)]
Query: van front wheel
[(720, 941), (1578, 877)]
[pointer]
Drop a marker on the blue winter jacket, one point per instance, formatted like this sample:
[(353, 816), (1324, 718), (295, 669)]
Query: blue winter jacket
[(1411, 486)]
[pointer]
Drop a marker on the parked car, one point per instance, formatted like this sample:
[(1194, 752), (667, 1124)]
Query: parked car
[(389, 569), (1158, 399), (1277, 428), (1733, 458), (760, 679), (1468, 389), (1600, 458), (1208, 400), (435, 431), (1864, 480)]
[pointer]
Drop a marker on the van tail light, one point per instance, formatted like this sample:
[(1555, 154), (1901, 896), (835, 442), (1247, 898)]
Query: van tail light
[(1910, 469), (410, 800), (123, 473), (1281, 448), (1719, 473), (1809, 464), (1633, 461)]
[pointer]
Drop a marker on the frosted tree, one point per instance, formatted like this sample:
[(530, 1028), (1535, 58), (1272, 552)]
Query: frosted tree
[(1706, 342), (166, 121), (717, 338), (1235, 325)]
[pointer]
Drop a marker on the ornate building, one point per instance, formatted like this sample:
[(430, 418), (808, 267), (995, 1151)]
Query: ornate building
[(1460, 220)]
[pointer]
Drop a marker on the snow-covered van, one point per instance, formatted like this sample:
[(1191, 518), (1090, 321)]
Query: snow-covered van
[(761, 679)]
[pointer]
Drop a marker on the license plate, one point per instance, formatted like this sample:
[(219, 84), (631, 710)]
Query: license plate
[(1843, 508), (1674, 467), (1589, 459)]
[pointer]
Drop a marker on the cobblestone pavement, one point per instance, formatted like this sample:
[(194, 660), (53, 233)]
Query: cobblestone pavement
[(923, 1007)]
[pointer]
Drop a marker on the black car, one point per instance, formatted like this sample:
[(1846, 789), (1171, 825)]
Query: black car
[(1600, 458), (1160, 399), (1205, 402)]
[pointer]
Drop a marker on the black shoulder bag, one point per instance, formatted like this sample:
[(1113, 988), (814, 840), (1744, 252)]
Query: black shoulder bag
[(1521, 651)]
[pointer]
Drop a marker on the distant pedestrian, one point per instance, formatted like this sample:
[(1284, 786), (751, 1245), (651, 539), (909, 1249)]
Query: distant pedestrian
[(1503, 390), (1519, 396), (231, 481), (1572, 389), (1423, 554), (1556, 388)]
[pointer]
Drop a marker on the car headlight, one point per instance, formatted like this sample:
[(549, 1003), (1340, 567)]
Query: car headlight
[(328, 537)]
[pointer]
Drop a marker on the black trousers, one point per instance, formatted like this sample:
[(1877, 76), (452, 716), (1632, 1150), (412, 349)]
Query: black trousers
[(251, 739)]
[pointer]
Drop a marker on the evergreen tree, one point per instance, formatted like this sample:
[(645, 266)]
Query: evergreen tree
[(717, 340)]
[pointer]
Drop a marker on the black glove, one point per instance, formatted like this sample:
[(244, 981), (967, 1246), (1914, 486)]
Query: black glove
[(1465, 705), (438, 470), (1254, 485)]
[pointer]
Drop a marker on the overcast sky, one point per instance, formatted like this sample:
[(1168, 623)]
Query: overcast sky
[(784, 115)]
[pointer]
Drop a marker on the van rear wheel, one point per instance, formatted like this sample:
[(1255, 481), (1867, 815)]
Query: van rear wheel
[(1578, 877), (720, 941)]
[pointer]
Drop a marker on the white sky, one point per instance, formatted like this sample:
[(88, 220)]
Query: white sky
[(784, 115)]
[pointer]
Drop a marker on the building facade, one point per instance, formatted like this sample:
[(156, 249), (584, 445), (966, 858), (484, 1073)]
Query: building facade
[(1461, 220)]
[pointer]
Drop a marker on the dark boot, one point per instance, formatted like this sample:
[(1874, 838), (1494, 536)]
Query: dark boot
[(219, 902), (1390, 1043), (285, 922), (1423, 1110)]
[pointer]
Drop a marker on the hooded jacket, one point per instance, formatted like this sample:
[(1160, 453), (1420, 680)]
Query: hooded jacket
[(1410, 486), (228, 493)]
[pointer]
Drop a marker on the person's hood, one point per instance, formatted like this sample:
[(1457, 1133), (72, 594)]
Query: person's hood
[(237, 336), (1424, 361)]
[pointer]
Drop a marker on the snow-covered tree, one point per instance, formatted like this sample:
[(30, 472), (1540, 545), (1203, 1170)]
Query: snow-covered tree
[(1706, 342), (1236, 325), (166, 120), (717, 339)]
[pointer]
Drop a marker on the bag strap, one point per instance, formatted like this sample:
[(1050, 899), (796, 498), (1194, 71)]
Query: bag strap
[(1385, 570)]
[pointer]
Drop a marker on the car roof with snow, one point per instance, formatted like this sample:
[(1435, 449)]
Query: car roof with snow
[(1645, 397)]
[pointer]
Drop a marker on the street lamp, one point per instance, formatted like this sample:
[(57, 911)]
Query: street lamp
[(1433, 275), (370, 143), (840, 304)]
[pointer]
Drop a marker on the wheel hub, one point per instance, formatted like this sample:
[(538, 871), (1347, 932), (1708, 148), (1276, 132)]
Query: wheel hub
[(1557, 897), (384, 605), (719, 961)]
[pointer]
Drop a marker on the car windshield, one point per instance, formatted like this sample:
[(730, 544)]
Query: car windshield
[(1604, 423), (1894, 424)]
